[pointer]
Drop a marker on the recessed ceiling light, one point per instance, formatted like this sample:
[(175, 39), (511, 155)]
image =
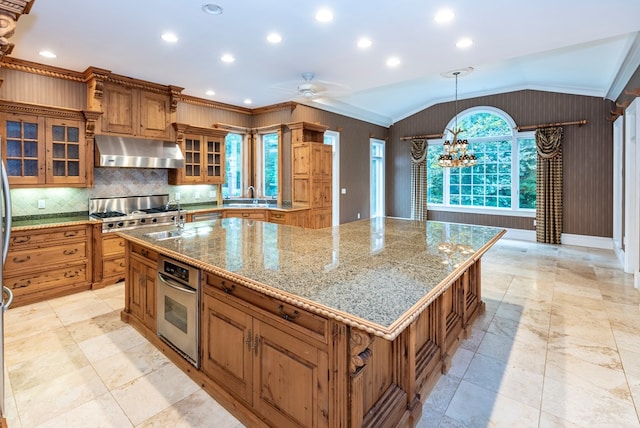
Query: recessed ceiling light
[(169, 37), (364, 42), (248, 101), (210, 93), (444, 15), (48, 54), (227, 58), (393, 61), (274, 38), (212, 9), (324, 15), (464, 43)]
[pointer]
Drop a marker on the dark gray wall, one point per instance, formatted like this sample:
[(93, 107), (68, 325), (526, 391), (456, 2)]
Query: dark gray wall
[(587, 154)]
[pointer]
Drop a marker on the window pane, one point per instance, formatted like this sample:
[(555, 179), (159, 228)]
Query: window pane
[(435, 176), (270, 164), (527, 171), (233, 166)]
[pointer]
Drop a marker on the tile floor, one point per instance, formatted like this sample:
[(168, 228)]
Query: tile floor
[(558, 346)]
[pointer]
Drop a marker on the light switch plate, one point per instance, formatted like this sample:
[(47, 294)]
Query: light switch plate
[(343, 191), (41, 204)]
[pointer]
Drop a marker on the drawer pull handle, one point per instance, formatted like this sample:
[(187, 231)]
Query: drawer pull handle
[(22, 239), (22, 285), (228, 290), (70, 234), (245, 214), (70, 252), (248, 341), (286, 316), (122, 264), (71, 274), (23, 260), (121, 243)]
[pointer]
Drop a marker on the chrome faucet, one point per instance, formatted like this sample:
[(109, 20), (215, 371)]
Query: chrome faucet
[(178, 221), (253, 194)]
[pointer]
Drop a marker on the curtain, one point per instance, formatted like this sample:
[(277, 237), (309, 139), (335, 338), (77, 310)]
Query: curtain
[(419, 179), (549, 185)]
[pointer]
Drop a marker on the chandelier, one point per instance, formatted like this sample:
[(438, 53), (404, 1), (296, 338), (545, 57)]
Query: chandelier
[(455, 152)]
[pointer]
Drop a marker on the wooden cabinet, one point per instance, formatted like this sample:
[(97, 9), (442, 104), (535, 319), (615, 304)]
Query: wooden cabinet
[(203, 151), (45, 151), (140, 299), (312, 172), (138, 112), (108, 258), (274, 356), (47, 263)]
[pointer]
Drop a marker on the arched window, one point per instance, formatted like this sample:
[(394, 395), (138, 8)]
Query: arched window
[(504, 177)]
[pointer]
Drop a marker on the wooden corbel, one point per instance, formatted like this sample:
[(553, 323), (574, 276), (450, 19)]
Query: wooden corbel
[(10, 11), (359, 343)]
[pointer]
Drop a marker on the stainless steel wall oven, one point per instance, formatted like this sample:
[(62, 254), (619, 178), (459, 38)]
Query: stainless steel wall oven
[(178, 302)]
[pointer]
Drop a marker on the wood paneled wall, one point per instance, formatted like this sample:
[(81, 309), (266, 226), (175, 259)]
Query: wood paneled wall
[(205, 116), (588, 155), (44, 90)]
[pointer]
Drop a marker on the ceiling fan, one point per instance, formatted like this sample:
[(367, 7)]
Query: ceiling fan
[(312, 89)]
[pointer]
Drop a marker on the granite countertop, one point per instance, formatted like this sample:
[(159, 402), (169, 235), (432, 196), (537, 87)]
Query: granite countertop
[(376, 275)]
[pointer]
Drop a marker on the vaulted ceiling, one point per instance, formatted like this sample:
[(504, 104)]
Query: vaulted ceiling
[(586, 47)]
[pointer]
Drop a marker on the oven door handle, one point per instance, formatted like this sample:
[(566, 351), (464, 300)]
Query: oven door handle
[(175, 285)]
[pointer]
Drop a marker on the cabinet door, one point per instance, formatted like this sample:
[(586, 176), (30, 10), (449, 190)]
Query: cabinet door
[(213, 158), (119, 107), (300, 159), (24, 148), (66, 152), (227, 346), (149, 314), (154, 115), (326, 193), (192, 150), (326, 162), (137, 281), (290, 379)]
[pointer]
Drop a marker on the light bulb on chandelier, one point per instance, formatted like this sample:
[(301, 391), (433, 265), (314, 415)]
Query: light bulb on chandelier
[(455, 151)]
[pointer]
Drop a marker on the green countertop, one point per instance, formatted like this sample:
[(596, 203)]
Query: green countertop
[(371, 274)]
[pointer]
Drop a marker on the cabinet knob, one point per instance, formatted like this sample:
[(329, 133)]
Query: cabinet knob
[(70, 252), (22, 239), (21, 260)]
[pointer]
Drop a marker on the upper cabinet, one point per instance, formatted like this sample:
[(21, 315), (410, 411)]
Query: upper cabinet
[(132, 107), (46, 148), (203, 150)]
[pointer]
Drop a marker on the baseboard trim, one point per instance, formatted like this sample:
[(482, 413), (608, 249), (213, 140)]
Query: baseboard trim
[(566, 239)]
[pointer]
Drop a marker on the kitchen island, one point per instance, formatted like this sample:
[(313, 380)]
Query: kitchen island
[(339, 327)]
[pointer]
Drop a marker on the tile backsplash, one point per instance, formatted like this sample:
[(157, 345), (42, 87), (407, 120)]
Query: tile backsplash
[(108, 182)]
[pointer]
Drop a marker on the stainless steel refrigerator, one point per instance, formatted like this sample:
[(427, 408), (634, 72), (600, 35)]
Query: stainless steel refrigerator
[(7, 295)]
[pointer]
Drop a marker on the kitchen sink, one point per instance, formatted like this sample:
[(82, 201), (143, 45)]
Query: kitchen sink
[(170, 234), (243, 205)]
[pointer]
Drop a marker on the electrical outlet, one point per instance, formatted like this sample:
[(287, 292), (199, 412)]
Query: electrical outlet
[(212, 194), (177, 196), (196, 195), (41, 204), (343, 191), (358, 215)]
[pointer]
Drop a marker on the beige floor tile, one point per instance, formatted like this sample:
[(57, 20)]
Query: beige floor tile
[(30, 320), (58, 395), (582, 322), (101, 412), (517, 354), (585, 350), (145, 396), (77, 311), (474, 406), (627, 340), (515, 331), (586, 406), (439, 399), (37, 346), (123, 367), (514, 382), (111, 343), (96, 326), (196, 410)]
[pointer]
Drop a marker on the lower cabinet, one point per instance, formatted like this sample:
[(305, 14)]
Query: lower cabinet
[(320, 218), (278, 373), (249, 214), (46, 263), (108, 258), (291, 218), (141, 286)]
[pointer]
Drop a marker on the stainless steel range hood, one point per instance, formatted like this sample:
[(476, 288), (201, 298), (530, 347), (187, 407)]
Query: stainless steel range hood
[(130, 152)]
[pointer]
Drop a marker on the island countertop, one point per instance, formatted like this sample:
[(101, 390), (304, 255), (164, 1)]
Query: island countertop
[(377, 275)]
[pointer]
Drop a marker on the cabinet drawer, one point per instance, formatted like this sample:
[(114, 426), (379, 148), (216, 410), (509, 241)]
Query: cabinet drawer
[(314, 324), (247, 214), (37, 257), (144, 252), (48, 279), (113, 267), (35, 237), (277, 217), (113, 246)]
